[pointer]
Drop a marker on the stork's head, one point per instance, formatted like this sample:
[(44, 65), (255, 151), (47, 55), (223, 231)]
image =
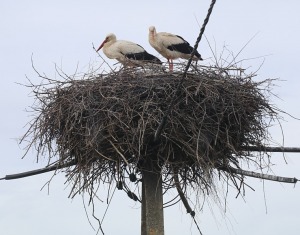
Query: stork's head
[(152, 30), (109, 39)]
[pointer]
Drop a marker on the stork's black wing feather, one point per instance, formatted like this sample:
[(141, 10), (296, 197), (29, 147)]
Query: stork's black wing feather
[(184, 48), (144, 56)]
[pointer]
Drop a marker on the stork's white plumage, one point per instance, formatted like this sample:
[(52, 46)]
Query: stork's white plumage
[(171, 46), (126, 52)]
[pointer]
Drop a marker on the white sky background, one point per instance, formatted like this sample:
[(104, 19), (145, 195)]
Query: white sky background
[(62, 33)]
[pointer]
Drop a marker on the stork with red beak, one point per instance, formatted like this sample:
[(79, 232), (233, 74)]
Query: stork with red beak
[(126, 52), (171, 46)]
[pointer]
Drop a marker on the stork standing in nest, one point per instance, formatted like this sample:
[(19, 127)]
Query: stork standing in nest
[(126, 52), (171, 46)]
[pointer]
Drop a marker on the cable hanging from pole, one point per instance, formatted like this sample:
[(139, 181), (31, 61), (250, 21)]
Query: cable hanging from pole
[(167, 113)]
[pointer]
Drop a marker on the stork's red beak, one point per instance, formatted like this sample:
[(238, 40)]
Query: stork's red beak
[(101, 45)]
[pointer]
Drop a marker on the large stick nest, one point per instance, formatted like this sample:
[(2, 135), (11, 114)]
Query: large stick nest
[(105, 124)]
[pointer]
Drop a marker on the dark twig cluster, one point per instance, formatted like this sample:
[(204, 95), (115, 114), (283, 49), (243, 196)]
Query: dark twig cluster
[(103, 126)]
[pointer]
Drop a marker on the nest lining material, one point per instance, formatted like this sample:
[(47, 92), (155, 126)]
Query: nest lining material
[(107, 122)]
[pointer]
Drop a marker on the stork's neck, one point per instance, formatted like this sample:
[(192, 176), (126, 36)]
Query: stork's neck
[(152, 37), (152, 34)]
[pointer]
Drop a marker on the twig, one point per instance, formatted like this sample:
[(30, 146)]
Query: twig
[(253, 174), (117, 150), (271, 149), (38, 171)]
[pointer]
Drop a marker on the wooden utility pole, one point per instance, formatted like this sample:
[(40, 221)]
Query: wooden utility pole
[(152, 203)]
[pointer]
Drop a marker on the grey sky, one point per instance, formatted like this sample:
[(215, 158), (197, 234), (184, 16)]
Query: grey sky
[(62, 32)]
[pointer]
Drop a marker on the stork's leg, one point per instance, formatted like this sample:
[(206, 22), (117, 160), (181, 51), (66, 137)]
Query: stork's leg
[(171, 65)]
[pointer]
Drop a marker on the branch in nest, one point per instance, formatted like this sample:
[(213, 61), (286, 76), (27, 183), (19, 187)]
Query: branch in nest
[(38, 171), (253, 174), (271, 149)]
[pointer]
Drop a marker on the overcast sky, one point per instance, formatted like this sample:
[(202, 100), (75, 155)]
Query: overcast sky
[(62, 33)]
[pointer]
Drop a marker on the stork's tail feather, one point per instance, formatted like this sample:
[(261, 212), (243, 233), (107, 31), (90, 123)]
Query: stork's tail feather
[(197, 54), (144, 56), (155, 60)]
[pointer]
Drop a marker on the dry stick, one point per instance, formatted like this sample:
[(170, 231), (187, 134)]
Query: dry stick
[(164, 118), (123, 157), (38, 171), (258, 175), (271, 149)]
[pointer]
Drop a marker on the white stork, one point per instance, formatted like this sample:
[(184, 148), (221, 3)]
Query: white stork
[(171, 46), (126, 52)]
